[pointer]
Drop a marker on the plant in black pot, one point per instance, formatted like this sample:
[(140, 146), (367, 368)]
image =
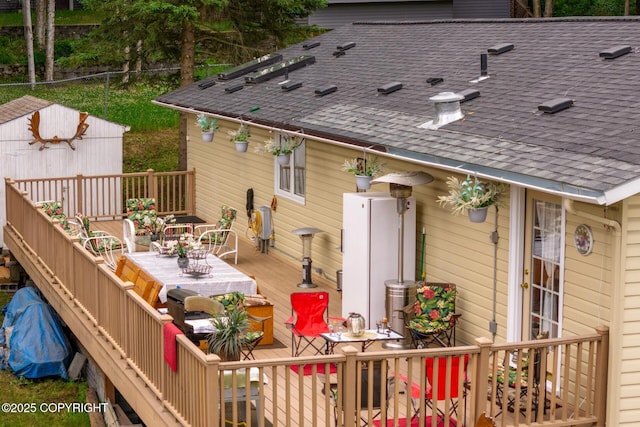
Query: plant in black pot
[(230, 331)]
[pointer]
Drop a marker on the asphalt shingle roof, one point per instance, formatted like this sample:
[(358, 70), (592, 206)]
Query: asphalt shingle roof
[(588, 151)]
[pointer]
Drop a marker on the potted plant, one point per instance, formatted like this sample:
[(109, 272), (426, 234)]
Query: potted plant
[(471, 195), (283, 149), (364, 168), (185, 244), (230, 330), (240, 137), (208, 126)]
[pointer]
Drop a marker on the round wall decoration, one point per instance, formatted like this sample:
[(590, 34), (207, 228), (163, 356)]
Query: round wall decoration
[(583, 239)]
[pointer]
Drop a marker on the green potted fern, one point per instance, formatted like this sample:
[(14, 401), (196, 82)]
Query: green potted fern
[(208, 126), (230, 331)]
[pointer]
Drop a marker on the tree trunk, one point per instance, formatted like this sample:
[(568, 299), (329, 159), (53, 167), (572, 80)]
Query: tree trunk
[(187, 55), (41, 7), (28, 36), (536, 9), (51, 17), (548, 8)]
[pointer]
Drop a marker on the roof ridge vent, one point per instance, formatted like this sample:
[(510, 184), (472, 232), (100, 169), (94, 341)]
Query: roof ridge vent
[(289, 86), (555, 105), (206, 83), (447, 105), (310, 45), (500, 48), (250, 66), (615, 51), (390, 88), (326, 90), (234, 88), (346, 46), (469, 94)]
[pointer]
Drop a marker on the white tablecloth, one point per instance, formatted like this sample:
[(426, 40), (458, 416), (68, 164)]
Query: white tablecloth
[(223, 277)]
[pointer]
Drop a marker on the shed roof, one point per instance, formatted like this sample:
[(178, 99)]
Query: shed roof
[(589, 152), (21, 107)]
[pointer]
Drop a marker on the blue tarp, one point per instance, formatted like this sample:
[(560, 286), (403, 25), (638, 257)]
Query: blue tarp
[(38, 346)]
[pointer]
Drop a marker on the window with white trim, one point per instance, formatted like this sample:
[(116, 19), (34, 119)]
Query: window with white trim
[(290, 177)]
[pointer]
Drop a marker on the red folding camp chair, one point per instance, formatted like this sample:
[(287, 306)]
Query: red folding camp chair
[(309, 316)]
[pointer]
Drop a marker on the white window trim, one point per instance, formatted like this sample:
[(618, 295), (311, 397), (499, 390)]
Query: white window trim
[(290, 195)]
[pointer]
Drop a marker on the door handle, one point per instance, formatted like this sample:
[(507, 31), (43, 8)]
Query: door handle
[(524, 285)]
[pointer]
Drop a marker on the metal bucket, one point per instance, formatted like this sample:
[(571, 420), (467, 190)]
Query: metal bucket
[(397, 296)]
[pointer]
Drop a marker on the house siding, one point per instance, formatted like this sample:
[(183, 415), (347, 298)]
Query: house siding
[(457, 250), (629, 378), (482, 9), (336, 15)]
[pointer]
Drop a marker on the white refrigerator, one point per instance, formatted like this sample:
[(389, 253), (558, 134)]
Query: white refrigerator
[(371, 225)]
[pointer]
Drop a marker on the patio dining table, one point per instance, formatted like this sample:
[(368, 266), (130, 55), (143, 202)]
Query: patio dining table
[(222, 279)]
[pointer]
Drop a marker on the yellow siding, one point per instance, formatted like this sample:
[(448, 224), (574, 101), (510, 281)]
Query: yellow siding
[(628, 390), (587, 281), (457, 251)]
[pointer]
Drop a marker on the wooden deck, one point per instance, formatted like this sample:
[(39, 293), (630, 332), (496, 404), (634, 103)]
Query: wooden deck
[(127, 341), (277, 278)]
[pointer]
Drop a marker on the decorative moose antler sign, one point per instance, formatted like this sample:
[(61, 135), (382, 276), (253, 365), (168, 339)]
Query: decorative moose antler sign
[(34, 127)]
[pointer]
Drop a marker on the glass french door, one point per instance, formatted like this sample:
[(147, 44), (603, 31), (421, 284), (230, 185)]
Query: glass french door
[(543, 267)]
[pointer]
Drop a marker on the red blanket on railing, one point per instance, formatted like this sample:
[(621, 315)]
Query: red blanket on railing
[(170, 331)]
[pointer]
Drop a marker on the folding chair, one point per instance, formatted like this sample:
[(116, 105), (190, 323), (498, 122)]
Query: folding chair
[(309, 317), (371, 391), (432, 318), (529, 379), (442, 373), (455, 384)]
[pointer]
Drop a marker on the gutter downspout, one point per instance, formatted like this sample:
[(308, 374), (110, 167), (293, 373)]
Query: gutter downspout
[(613, 383)]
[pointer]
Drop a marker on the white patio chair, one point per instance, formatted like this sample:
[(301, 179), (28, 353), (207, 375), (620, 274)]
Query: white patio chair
[(219, 242), (129, 235), (110, 248), (175, 231)]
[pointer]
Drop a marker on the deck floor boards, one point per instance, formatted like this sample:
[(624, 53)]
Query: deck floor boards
[(277, 277)]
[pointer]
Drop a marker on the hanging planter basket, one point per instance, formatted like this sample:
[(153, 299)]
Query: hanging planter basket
[(363, 182), (241, 146), (283, 159), (478, 215), (207, 136)]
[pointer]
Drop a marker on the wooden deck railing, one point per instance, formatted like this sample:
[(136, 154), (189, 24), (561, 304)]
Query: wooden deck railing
[(104, 196), (124, 336)]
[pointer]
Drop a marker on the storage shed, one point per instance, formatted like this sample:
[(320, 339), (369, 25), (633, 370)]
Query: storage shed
[(42, 139)]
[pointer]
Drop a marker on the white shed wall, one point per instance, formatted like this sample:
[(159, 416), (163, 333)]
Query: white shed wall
[(98, 152)]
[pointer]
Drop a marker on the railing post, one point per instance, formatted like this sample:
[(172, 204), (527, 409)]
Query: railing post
[(349, 386), (79, 196), (212, 389), (480, 383), (191, 192), (602, 368), (152, 184)]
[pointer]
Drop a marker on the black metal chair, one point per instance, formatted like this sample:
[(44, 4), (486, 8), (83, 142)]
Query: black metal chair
[(432, 317)]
